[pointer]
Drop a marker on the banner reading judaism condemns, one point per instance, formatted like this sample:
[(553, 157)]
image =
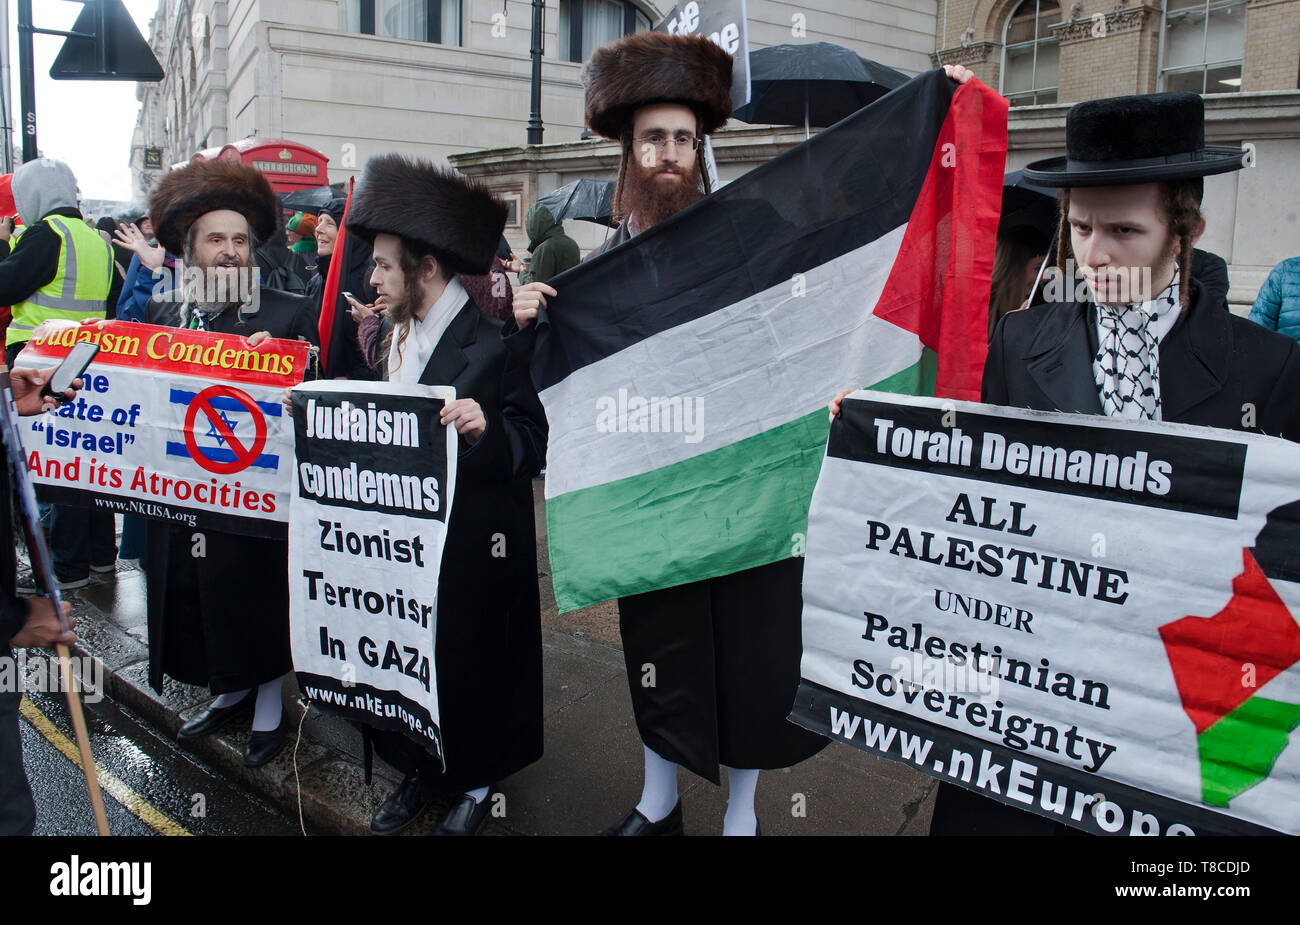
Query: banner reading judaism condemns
[(1080, 617), (179, 425), (376, 473), (861, 257)]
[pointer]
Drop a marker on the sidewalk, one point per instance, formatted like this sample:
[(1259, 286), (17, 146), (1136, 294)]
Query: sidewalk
[(588, 778)]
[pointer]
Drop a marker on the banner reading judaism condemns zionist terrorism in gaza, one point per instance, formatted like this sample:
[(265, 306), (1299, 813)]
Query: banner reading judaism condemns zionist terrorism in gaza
[(376, 472), (1085, 618)]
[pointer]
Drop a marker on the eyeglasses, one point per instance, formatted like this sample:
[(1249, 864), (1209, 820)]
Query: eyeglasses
[(660, 140)]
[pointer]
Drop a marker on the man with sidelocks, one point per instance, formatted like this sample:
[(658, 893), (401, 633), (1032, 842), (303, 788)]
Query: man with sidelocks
[(726, 650), (1131, 185)]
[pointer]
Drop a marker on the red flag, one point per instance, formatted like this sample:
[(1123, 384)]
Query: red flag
[(331, 293)]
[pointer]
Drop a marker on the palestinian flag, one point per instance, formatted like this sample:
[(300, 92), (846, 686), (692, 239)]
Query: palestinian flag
[(686, 373), (1223, 664)]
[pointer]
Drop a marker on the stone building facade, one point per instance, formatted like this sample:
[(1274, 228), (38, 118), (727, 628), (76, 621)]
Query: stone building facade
[(1243, 55), (354, 78)]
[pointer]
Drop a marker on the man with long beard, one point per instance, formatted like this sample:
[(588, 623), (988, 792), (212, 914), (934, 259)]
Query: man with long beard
[(726, 651), (221, 618)]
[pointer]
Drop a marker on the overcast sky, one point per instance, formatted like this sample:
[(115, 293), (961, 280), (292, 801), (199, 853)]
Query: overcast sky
[(88, 124)]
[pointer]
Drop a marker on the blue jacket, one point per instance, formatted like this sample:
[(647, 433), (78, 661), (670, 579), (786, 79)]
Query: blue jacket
[(1278, 305), (138, 288)]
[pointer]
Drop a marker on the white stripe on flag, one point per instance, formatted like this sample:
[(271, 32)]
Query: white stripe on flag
[(751, 366)]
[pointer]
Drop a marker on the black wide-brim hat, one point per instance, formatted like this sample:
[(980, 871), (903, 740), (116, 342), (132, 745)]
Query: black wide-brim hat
[(456, 217), (1127, 140)]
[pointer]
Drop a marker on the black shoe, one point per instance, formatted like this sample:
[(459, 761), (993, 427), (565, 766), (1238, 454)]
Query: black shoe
[(263, 746), (465, 816), (213, 718), (637, 824), (403, 806)]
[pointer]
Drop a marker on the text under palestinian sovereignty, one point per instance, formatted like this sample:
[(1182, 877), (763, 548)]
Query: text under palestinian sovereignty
[(376, 472), (1084, 618), (179, 425)]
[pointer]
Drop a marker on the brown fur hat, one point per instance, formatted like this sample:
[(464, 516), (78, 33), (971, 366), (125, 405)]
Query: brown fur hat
[(654, 67), (206, 186), (458, 218)]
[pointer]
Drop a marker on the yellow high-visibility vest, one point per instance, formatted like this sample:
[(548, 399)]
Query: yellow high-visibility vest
[(80, 285)]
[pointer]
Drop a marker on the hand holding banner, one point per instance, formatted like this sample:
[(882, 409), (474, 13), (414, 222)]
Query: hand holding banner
[(1081, 617)]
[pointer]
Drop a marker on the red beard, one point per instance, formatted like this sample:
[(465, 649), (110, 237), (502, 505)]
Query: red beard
[(653, 198)]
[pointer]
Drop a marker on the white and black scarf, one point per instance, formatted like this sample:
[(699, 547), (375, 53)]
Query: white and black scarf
[(1126, 367)]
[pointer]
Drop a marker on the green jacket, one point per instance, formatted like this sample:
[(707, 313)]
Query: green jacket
[(553, 251)]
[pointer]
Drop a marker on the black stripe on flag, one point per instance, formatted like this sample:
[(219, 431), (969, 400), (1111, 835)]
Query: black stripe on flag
[(844, 188)]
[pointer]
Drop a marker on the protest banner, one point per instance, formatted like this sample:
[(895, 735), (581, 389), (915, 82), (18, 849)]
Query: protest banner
[(851, 259), (1082, 617), (179, 425), (376, 473)]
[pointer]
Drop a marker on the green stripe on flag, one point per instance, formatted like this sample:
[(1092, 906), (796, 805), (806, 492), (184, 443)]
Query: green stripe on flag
[(1239, 750), (731, 509)]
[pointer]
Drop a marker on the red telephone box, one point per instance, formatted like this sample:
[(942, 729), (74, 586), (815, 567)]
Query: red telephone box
[(288, 165)]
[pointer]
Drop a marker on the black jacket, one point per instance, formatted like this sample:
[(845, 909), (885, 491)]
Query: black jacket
[(1213, 366), (222, 620), (34, 260), (489, 639)]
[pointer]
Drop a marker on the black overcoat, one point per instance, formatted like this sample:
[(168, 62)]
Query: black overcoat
[(725, 654), (489, 637), (222, 620), (1216, 370)]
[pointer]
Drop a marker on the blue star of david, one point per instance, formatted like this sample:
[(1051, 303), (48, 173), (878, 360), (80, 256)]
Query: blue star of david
[(213, 432)]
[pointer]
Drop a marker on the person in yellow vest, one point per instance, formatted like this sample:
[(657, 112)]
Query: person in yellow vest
[(60, 268)]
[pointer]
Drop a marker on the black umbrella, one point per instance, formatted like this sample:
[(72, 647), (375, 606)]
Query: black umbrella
[(584, 200), (1025, 204), (310, 201), (814, 84)]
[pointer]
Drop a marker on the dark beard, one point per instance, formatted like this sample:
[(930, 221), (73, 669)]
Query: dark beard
[(652, 200)]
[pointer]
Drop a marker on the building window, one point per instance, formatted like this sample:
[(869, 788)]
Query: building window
[(1203, 40), (585, 25), (418, 20), (1031, 58)]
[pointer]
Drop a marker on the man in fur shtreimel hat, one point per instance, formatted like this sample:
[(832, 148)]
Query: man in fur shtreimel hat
[(426, 226), (726, 650), (221, 619)]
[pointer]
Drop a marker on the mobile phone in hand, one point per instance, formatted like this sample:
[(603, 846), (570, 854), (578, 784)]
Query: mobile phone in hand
[(73, 365)]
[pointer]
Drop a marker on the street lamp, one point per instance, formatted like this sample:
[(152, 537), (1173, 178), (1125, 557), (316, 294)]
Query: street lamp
[(535, 113)]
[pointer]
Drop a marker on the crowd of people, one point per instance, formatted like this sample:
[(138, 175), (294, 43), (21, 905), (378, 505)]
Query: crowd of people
[(424, 296)]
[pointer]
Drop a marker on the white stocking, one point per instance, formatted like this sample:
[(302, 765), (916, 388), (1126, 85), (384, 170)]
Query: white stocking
[(740, 818), (659, 789)]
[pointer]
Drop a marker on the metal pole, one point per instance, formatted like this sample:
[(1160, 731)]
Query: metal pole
[(27, 81), (6, 99), (535, 113)]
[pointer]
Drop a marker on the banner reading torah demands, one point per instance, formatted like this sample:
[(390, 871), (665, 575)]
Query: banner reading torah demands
[(376, 473), (178, 425), (1089, 619)]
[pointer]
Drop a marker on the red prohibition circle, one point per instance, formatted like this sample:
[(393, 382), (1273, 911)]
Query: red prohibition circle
[(244, 457)]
